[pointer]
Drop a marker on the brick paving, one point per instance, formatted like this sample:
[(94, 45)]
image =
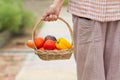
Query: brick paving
[(10, 65)]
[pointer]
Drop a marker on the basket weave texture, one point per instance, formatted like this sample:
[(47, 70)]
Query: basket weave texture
[(53, 54)]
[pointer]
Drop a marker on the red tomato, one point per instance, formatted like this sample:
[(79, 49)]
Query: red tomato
[(39, 41), (49, 45)]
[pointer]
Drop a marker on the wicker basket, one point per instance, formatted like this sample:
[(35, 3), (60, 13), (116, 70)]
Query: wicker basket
[(53, 54)]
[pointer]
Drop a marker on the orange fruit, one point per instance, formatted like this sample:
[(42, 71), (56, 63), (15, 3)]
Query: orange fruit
[(41, 48), (39, 41), (29, 43)]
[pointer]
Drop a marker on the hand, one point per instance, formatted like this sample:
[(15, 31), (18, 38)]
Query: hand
[(52, 13)]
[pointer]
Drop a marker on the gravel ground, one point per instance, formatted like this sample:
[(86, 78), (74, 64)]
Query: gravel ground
[(10, 64)]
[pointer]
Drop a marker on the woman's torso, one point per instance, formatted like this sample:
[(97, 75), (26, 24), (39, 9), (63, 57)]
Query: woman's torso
[(100, 10)]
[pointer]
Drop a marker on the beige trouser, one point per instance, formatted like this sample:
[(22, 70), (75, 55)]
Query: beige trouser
[(97, 49)]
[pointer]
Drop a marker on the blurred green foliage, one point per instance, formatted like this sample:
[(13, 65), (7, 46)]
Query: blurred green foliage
[(65, 2), (14, 17)]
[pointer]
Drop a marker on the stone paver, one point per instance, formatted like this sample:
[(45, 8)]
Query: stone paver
[(37, 69)]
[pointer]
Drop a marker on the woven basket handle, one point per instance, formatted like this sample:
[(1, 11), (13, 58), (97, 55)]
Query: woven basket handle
[(40, 21)]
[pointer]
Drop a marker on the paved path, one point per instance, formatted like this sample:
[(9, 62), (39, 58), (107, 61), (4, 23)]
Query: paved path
[(37, 69)]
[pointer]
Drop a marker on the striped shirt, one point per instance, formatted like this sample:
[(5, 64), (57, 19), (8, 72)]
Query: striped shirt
[(100, 10)]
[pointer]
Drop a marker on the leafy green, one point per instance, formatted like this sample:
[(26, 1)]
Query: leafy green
[(13, 17)]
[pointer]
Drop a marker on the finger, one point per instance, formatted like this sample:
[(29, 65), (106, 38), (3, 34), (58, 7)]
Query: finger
[(51, 17), (47, 14), (44, 16), (55, 17), (47, 18)]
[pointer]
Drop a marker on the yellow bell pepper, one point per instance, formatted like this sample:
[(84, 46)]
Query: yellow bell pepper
[(62, 43)]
